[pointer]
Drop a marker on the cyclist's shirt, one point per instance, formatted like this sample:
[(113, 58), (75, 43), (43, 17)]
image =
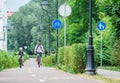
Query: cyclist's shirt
[(21, 53), (39, 48)]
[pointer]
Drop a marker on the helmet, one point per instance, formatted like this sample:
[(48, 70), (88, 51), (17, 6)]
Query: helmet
[(20, 48)]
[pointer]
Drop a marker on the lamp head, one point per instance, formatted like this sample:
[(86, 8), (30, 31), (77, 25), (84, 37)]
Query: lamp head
[(44, 4)]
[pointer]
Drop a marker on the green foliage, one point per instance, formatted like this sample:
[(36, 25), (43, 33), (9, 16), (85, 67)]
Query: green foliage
[(25, 57), (7, 61), (111, 8), (76, 33), (72, 58), (113, 68), (115, 57), (23, 21), (78, 57), (49, 60), (61, 56), (108, 39)]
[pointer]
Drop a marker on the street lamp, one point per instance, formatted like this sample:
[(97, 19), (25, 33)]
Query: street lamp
[(57, 33), (45, 4), (90, 68), (38, 35)]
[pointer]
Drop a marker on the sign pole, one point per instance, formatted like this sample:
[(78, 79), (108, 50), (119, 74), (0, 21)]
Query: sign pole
[(65, 10), (64, 31), (101, 51), (101, 26)]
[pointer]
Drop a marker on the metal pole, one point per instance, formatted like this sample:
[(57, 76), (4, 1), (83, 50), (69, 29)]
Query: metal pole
[(49, 35), (45, 42), (64, 31), (56, 33), (101, 51), (90, 68)]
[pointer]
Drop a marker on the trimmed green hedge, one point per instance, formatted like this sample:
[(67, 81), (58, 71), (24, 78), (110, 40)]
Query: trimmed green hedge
[(70, 58), (9, 61), (49, 60), (115, 56)]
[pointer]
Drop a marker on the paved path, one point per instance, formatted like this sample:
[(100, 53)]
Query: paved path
[(108, 73), (30, 73)]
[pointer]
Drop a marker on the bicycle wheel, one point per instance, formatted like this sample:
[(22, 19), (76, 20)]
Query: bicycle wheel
[(20, 62), (38, 61)]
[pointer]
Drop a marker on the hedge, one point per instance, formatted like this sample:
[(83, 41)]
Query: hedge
[(74, 58), (9, 61), (49, 60), (70, 58)]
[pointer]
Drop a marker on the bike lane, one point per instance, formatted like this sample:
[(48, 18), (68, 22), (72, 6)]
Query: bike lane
[(30, 73)]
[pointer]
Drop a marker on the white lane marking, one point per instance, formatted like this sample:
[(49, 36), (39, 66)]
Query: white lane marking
[(33, 75), (41, 80), (63, 78), (30, 72)]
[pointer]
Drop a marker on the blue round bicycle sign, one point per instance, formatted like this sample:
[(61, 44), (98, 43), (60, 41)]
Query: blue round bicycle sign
[(57, 24), (101, 26)]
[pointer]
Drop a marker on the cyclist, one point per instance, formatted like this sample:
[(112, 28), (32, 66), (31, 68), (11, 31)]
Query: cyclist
[(21, 54), (38, 51)]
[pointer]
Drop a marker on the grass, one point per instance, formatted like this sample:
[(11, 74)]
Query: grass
[(101, 78), (113, 68)]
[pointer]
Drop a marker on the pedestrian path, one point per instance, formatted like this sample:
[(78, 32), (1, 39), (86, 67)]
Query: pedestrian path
[(30, 73), (109, 73)]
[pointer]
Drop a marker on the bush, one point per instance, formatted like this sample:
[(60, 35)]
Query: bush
[(25, 57), (78, 57), (115, 57), (7, 61), (49, 60), (61, 56), (73, 59), (70, 58)]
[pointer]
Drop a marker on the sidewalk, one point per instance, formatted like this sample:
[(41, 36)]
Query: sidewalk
[(109, 73)]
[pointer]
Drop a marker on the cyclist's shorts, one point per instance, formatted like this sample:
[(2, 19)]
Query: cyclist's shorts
[(40, 54)]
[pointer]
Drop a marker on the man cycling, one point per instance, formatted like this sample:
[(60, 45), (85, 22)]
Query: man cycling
[(21, 54), (38, 51)]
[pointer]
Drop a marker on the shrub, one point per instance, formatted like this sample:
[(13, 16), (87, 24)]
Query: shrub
[(78, 57), (72, 58), (49, 60), (7, 61), (115, 57), (61, 56)]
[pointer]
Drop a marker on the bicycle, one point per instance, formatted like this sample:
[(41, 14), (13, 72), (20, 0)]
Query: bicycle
[(39, 60), (20, 61)]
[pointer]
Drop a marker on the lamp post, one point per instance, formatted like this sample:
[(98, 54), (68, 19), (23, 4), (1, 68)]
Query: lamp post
[(90, 68), (56, 33), (38, 35), (45, 5)]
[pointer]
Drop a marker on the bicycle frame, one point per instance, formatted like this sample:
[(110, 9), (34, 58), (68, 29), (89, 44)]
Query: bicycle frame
[(20, 61), (38, 60)]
